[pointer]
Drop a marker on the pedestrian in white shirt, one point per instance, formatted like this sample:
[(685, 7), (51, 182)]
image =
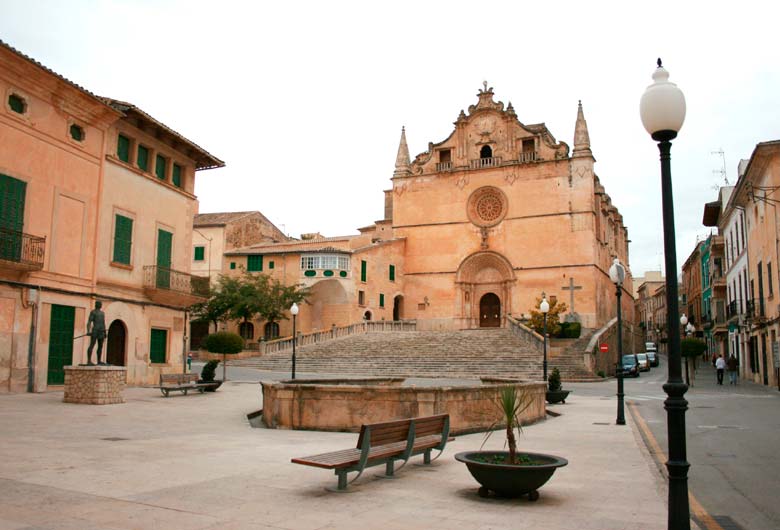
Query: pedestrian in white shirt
[(720, 366)]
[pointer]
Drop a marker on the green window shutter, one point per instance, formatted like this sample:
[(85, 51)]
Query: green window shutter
[(158, 346), (381, 300), (254, 263), (16, 103), (12, 198), (200, 253), (123, 239), (77, 133), (143, 157), (232, 265), (123, 148), (164, 245), (60, 342), (176, 175), (392, 273), (270, 264), (363, 267), (159, 167)]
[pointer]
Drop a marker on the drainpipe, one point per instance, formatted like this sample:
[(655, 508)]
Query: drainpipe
[(32, 298), (184, 351)]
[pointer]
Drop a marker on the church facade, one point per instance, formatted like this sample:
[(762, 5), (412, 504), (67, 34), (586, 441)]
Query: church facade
[(475, 229)]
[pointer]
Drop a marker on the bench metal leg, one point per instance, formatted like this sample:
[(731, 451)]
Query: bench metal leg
[(427, 457)]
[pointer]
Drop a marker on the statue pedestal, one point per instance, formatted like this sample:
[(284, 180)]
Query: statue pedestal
[(94, 385)]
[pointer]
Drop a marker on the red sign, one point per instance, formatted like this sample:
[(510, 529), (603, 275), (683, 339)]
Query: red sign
[(603, 347)]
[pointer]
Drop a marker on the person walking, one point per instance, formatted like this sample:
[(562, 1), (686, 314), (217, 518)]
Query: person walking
[(731, 365), (720, 366)]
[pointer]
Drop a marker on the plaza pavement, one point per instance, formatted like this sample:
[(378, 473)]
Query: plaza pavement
[(194, 462)]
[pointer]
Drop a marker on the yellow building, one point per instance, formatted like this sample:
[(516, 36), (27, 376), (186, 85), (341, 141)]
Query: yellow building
[(96, 203), (474, 230)]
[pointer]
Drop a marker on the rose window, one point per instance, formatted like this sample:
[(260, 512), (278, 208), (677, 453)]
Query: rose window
[(487, 206)]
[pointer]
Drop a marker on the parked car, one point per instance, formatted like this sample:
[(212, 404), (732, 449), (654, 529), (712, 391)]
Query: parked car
[(630, 365), (650, 346), (644, 362), (653, 357)]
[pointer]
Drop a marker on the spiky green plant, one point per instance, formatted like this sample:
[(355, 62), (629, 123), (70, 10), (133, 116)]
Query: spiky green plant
[(512, 401)]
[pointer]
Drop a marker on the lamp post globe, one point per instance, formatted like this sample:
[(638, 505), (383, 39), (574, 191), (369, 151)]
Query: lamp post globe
[(617, 274), (683, 320), (544, 307), (662, 110), (294, 312)]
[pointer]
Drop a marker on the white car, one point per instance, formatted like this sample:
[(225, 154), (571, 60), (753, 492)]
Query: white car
[(650, 346), (644, 362)]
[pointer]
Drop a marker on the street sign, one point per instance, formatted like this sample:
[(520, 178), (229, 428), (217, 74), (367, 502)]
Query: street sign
[(603, 347)]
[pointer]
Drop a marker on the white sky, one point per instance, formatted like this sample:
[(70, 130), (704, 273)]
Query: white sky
[(305, 101)]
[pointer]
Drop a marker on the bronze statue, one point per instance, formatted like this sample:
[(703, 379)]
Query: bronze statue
[(96, 329)]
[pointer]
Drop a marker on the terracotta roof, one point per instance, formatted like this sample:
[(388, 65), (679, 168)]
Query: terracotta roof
[(203, 159), (218, 218)]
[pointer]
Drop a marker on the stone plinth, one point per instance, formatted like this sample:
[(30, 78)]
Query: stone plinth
[(344, 405), (94, 385)]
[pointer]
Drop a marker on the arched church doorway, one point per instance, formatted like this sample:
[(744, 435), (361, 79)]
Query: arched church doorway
[(115, 343), (398, 303), (367, 315), (489, 311)]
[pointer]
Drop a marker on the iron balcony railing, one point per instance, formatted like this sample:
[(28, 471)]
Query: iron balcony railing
[(23, 249), (156, 277), (732, 310)]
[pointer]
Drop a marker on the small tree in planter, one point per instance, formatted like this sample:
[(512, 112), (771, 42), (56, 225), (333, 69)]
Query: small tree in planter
[(555, 393), (225, 343)]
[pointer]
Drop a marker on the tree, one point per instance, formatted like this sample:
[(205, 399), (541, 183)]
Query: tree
[(225, 343), (691, 347), (536, 322), (215, 308)]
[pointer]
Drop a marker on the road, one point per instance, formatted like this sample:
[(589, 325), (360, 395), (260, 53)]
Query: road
[(733, 444)]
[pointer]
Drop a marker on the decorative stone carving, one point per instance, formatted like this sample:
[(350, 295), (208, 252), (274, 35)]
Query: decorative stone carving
[(487, 206)]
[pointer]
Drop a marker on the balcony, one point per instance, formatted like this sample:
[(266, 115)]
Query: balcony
[(444, 166), (529, 156), (732, 310), (718, 282), (481, 163), (176, 288), (20, 251)]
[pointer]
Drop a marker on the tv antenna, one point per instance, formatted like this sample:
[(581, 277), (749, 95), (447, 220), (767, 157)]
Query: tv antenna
[(722, 170)]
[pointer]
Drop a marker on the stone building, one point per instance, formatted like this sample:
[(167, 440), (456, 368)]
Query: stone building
[(474, 230), (96, 203)]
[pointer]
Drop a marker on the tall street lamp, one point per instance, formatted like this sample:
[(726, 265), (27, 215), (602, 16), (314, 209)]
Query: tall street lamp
[(662, 109), (294, 312), (544, 307), (617, 273)]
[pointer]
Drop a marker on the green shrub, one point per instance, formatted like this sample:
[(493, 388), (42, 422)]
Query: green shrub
[(573, 330), (691, 347), (562, 330), (601, 373), (209, 370), (554, 380), (224, 342)]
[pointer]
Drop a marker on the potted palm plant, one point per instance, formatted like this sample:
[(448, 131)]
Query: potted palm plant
[(555, 394), (510, 473)]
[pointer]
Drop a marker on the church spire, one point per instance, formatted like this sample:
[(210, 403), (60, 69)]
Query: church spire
[(581, 137), (403, 166)]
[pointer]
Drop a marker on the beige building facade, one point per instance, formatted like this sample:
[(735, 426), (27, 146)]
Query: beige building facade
[(96, 203), (474, 230)]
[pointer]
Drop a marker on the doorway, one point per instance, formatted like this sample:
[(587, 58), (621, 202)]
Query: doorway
[(61, 328), (115, 343), (397, 306), (490, 311)]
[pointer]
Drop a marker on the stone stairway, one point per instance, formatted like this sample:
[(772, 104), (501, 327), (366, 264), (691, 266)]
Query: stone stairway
[(567, 356), (468, 353)]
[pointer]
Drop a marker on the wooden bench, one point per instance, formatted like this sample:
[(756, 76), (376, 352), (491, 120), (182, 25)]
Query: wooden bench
[(385, 443), (182, 382)]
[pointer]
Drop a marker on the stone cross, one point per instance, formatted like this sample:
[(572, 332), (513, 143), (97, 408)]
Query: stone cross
[(571, 288)]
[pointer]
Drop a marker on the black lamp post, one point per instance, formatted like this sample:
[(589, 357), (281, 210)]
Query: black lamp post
[(294, 312), (617, 273), (544, 307), (662, 109)]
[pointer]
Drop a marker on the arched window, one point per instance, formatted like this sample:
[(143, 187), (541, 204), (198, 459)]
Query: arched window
[(271, 331), (486, 152), (246, 330)]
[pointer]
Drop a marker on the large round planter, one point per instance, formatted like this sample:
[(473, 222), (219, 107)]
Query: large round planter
[(510, 480), (557, 396)]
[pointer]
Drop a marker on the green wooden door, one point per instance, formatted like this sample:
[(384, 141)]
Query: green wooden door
[(12, 197), (60, 342), (164, 242)]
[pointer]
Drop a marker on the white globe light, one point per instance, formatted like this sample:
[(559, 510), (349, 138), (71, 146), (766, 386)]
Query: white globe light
[(617, 272), (294, 309), (683, 319), (662, 107), (544, 307)]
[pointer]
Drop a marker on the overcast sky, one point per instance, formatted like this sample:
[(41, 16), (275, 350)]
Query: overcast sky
[(305, 101)]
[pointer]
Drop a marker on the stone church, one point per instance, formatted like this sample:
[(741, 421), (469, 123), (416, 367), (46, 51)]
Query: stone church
[(474, 230)]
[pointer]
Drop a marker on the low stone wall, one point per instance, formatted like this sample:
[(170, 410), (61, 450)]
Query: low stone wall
[(94, 385), (344, 405)]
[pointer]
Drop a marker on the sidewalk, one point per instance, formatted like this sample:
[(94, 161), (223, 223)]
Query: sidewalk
[(194, 462)]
